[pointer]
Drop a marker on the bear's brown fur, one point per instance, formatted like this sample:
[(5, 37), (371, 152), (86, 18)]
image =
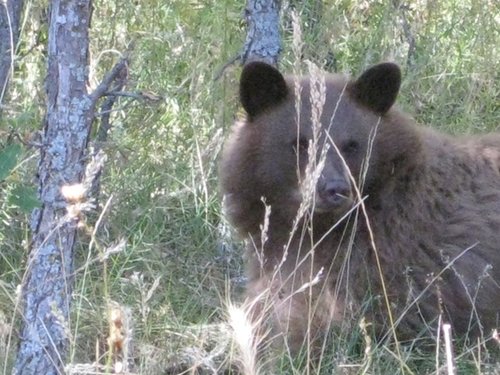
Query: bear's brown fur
[(431, 202)]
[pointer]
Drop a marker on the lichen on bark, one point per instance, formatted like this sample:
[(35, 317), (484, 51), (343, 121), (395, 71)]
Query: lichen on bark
[(48, 284), (263, 37)]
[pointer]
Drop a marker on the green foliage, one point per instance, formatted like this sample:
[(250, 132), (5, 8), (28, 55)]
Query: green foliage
[(8, 159), (25, 198), (161, 176), (15, 192)]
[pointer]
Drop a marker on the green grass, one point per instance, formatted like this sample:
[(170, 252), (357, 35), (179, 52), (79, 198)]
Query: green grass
[(161, 172)]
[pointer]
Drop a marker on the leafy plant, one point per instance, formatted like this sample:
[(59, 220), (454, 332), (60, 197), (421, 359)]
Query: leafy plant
[(18, 194)]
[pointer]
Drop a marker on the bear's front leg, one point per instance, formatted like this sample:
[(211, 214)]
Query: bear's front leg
[(293, 315)]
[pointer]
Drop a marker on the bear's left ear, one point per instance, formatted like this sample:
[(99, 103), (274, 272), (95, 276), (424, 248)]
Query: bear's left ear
[(261, 87), (378, 87)]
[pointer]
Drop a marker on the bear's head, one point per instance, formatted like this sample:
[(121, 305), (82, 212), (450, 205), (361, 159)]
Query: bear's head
[(314, 131)]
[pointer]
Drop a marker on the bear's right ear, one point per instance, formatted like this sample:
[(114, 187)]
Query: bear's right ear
[(261, 87)]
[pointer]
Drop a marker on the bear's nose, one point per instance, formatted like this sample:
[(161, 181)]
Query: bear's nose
[(334, 192)]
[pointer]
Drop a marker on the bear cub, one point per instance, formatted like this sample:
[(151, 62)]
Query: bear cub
[(350, 209)]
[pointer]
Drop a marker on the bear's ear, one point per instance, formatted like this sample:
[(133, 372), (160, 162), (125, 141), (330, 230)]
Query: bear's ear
[(261, 87), (378, 87)]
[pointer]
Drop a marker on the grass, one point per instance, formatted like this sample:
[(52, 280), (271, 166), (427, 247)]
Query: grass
[(178, 268)]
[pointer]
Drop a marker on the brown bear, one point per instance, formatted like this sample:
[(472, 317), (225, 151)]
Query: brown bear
[(350, 208)]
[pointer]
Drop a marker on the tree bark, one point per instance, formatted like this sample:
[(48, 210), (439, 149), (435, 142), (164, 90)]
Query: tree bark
[(263, 41), (10, 14), (48, 285)]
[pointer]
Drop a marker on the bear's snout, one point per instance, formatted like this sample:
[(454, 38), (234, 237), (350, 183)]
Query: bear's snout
[(334, 194)]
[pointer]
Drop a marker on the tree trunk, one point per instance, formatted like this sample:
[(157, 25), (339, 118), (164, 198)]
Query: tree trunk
[(10, 13), (48, 284), (263, 37)]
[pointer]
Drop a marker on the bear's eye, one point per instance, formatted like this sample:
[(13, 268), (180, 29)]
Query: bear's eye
[(301, 144), (350, 147)]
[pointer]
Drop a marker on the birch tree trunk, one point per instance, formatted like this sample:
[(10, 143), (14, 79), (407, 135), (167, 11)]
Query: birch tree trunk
[(263, 37), (48, 284), (10, 14)]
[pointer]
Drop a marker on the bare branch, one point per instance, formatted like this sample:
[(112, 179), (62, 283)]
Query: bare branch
[(119, 73)]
